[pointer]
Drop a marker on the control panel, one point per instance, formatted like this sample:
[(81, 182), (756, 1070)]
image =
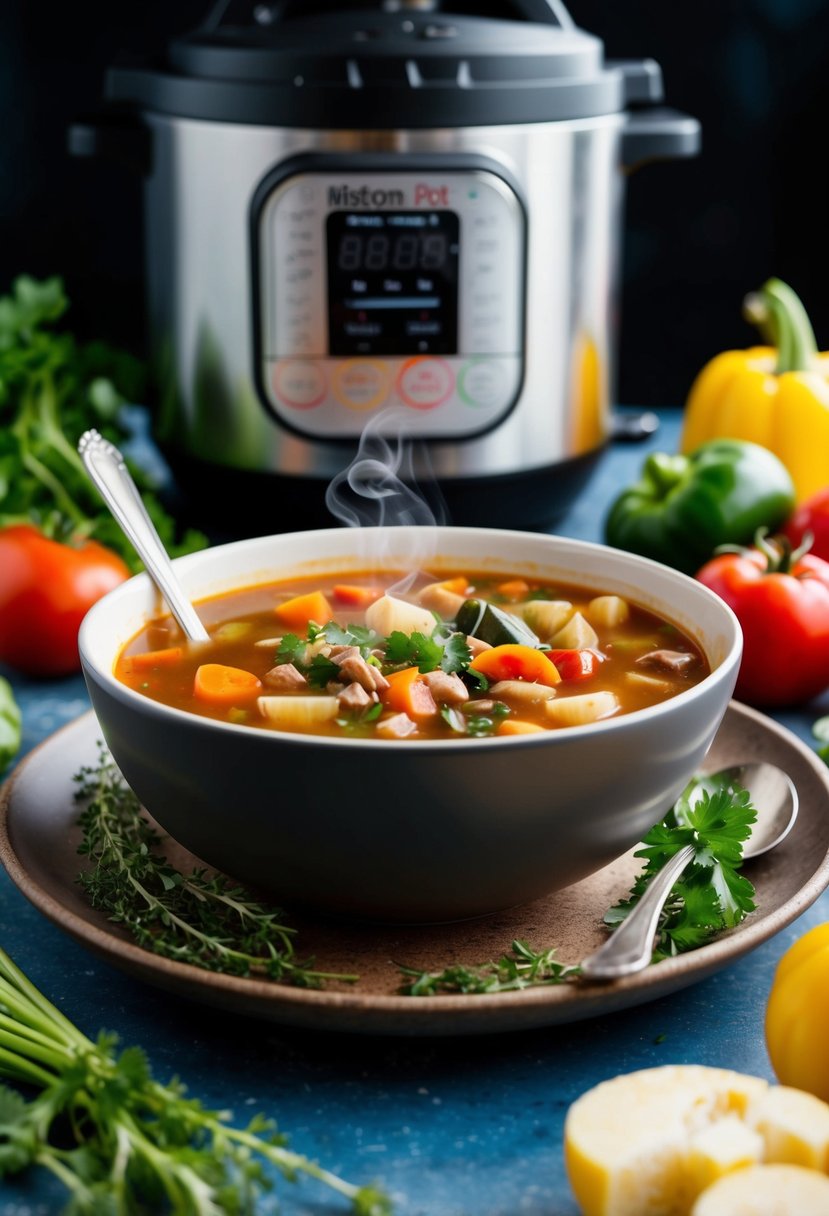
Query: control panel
[(390, 288)]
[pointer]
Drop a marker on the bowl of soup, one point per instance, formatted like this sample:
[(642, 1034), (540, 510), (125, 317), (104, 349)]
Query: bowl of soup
[(412, 724)]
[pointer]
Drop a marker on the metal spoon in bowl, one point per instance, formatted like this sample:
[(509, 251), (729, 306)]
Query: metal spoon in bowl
[(107, 468), (630, 948)]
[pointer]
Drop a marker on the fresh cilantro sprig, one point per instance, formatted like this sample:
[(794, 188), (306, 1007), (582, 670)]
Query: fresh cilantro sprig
[(711, 894), (522, 967), (119, 1140), (442, 649)]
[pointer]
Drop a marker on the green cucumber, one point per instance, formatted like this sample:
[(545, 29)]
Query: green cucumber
[(479, 619)]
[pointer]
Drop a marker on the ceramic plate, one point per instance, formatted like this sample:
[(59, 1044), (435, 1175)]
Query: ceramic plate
[(38, 846)]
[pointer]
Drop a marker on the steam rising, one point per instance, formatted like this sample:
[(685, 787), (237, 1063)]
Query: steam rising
[(379, 488)]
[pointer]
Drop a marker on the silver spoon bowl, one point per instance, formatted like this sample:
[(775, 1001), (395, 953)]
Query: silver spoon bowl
[(107, 469), (630, 948)]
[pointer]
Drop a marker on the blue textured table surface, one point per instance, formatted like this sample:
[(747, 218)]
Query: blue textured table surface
[(451, 1127)]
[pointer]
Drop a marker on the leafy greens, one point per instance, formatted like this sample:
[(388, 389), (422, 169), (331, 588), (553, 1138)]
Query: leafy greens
[(121, 1141), (52, 389)]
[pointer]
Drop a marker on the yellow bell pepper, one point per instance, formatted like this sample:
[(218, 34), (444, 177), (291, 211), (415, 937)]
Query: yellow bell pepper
[(775, 395), (796, 1037)]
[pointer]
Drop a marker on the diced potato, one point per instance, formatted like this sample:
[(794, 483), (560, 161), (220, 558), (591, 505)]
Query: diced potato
[(522, 691), (605, 611), (546, 617), (232, 631), (298, 712), (636, 678), (437, 597), (389, 614), (577, 634), (577, 711)]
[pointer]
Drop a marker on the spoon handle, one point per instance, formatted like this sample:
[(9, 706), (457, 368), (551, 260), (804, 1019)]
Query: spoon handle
[(630, 947), (106, 466)]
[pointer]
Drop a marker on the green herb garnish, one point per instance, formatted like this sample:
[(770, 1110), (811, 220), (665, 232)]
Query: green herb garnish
[(205, 920), (522, 967), (711, 895), (445, 650), (52, 389), (122, 1142)]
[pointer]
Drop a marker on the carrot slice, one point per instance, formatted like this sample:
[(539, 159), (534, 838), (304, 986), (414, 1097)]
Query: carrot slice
[(409, 694), (514, 588), (220, 685), (297, 612), (516, 662), (456, 585), (167, 657), (514, 726), (352, 593)]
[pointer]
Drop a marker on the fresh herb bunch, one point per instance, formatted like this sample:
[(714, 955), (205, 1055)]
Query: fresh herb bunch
[(52, 389), (711, 894), (120, 1141), (205, 920), (522, 967)]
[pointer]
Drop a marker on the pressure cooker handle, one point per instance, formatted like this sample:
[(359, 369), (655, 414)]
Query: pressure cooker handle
[(549, 12), (121, 139), (658, 133)]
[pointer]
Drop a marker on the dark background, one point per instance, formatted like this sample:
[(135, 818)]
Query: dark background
[(698, 234)]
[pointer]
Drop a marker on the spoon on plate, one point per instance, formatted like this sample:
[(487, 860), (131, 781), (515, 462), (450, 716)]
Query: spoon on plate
[(630, 947), (107, 469)]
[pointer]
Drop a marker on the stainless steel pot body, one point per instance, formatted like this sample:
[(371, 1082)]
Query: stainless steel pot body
[(202, 292)]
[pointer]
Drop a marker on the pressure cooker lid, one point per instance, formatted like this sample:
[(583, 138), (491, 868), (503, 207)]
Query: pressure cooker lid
[(434, 63)]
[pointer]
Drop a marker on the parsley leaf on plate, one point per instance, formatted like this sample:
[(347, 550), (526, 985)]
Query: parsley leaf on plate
[(711, 894)]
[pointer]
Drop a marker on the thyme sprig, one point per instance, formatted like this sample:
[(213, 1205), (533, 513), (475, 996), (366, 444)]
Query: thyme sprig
[(120, 1141), (522, 967), (200, 918)]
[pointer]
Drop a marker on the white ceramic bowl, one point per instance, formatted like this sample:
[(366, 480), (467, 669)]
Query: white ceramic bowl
[(411, 830)]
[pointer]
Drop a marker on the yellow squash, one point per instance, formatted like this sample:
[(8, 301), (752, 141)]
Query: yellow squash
[(796, 1014), (775, 395)]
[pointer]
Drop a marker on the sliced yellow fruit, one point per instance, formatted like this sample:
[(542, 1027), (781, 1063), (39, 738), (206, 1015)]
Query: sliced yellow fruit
[(648, 1143), (766, 1190)]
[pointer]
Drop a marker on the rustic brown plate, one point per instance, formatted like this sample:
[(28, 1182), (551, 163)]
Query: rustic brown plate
[(38, 843)]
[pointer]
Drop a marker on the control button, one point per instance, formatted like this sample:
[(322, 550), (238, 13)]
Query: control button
[(424, 383), (299, 383), (482, 383), (361, 384)]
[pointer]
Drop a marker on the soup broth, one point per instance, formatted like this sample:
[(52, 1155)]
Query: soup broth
[(473, 655)]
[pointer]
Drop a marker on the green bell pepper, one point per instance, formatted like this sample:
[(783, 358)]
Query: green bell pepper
[(683, 507)]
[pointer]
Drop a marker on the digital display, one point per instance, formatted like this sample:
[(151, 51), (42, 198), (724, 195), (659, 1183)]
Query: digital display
[(393, 282)]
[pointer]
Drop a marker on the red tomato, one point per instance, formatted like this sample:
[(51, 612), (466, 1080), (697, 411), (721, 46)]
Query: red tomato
[(784, 615), (46, 589), (812, 516)]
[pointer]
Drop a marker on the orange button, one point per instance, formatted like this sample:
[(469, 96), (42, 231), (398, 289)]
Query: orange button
[(425, 382)]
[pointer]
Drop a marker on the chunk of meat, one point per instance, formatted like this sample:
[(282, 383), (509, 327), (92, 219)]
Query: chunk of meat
[(354, 698), (356, 670), (285, 678), (675, 661), (446, 688), (398, 726)]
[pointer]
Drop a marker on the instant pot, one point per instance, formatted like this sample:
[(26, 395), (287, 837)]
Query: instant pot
[(374, 222)]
